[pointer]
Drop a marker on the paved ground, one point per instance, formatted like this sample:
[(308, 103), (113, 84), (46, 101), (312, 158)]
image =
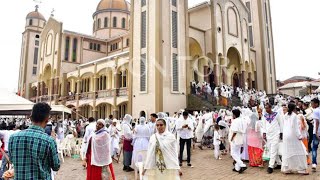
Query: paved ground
[(205, 167)]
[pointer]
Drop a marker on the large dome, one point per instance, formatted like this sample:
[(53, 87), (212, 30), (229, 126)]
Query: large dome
[(114, 5), (36, 15)]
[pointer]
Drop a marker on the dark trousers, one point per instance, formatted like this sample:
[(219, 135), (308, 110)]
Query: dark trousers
[(310, 131), (182, 144)]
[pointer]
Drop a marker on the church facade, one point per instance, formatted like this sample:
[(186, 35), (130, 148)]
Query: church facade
[(141, 57)]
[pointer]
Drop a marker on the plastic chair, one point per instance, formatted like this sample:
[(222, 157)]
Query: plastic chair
[(140, 159)]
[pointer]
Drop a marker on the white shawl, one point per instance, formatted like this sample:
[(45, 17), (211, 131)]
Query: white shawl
[(100, 149)]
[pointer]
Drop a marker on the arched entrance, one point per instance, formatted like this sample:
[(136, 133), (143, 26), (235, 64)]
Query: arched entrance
[(236, 81), (233, 71), (142, 114), (194, 73)]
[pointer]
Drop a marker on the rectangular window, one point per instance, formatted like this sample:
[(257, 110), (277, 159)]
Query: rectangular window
[(91, 46), (249, 8), (267, 35), (143, 73), (105, 22), (98, 47), (270, 63), (36, 43), (174, 3), (30, 22), (143, 3), (35, 56), (143, 29), (251, 36), (66, 52), (266, 11), (95, 46), (128, 42), (99, 23), (34, 71), (175, 73), (174, 30), (74, 50)]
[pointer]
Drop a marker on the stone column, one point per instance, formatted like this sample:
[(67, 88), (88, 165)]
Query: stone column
[(217, 74), (243, 79)]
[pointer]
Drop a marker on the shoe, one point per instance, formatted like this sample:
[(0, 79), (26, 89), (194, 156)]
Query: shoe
[(278, 167), (314, 167), (270, 170), (200, 147), (242, 169), (129, 169), (234, 163), (234, 170), (125, 168), (189, 164), (180, 164)]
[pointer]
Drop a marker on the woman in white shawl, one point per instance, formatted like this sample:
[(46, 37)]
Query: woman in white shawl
[(294, 158), (141, 138), (162, 157), (98, 153)]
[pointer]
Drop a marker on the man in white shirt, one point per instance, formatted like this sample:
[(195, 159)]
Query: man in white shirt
[(5, 135), (185, 131), (272, 132), (236, 141), (316, 131), (152, 123), (90, 129)]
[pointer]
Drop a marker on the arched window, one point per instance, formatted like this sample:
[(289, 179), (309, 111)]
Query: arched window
[(74, 50), (124, 79), (123, 23), (114, 21), (106, 22), (30, 22), (94, 25), (99, 23), (66, 51)]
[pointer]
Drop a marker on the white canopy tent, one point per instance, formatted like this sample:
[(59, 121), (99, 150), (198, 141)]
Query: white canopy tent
[(12, 104)]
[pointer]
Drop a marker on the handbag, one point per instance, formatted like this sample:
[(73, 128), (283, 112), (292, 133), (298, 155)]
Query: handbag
[(266, 153)]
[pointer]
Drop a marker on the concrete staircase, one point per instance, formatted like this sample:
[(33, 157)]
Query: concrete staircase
[(198, 102)]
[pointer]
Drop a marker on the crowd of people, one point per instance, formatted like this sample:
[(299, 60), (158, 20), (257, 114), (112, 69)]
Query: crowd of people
[(281, 131)]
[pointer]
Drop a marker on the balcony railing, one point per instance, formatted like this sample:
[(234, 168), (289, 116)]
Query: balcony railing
[(87, 95), (122, 92), (105, 94)]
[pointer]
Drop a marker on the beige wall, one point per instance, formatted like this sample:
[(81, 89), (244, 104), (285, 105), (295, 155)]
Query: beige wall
[(159, 93)]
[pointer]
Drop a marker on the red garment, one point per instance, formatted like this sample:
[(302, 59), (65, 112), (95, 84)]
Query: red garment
[(255, 156), (95, 172), (127, 145), (2, 147)]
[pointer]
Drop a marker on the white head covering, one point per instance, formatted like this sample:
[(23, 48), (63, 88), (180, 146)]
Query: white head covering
[(102, 121), (114, 121), (127, 120), (142, 120)]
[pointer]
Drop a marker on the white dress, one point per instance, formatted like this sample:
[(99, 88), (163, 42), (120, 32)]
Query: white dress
[(115, 139), (294, 159), (140, 140)]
